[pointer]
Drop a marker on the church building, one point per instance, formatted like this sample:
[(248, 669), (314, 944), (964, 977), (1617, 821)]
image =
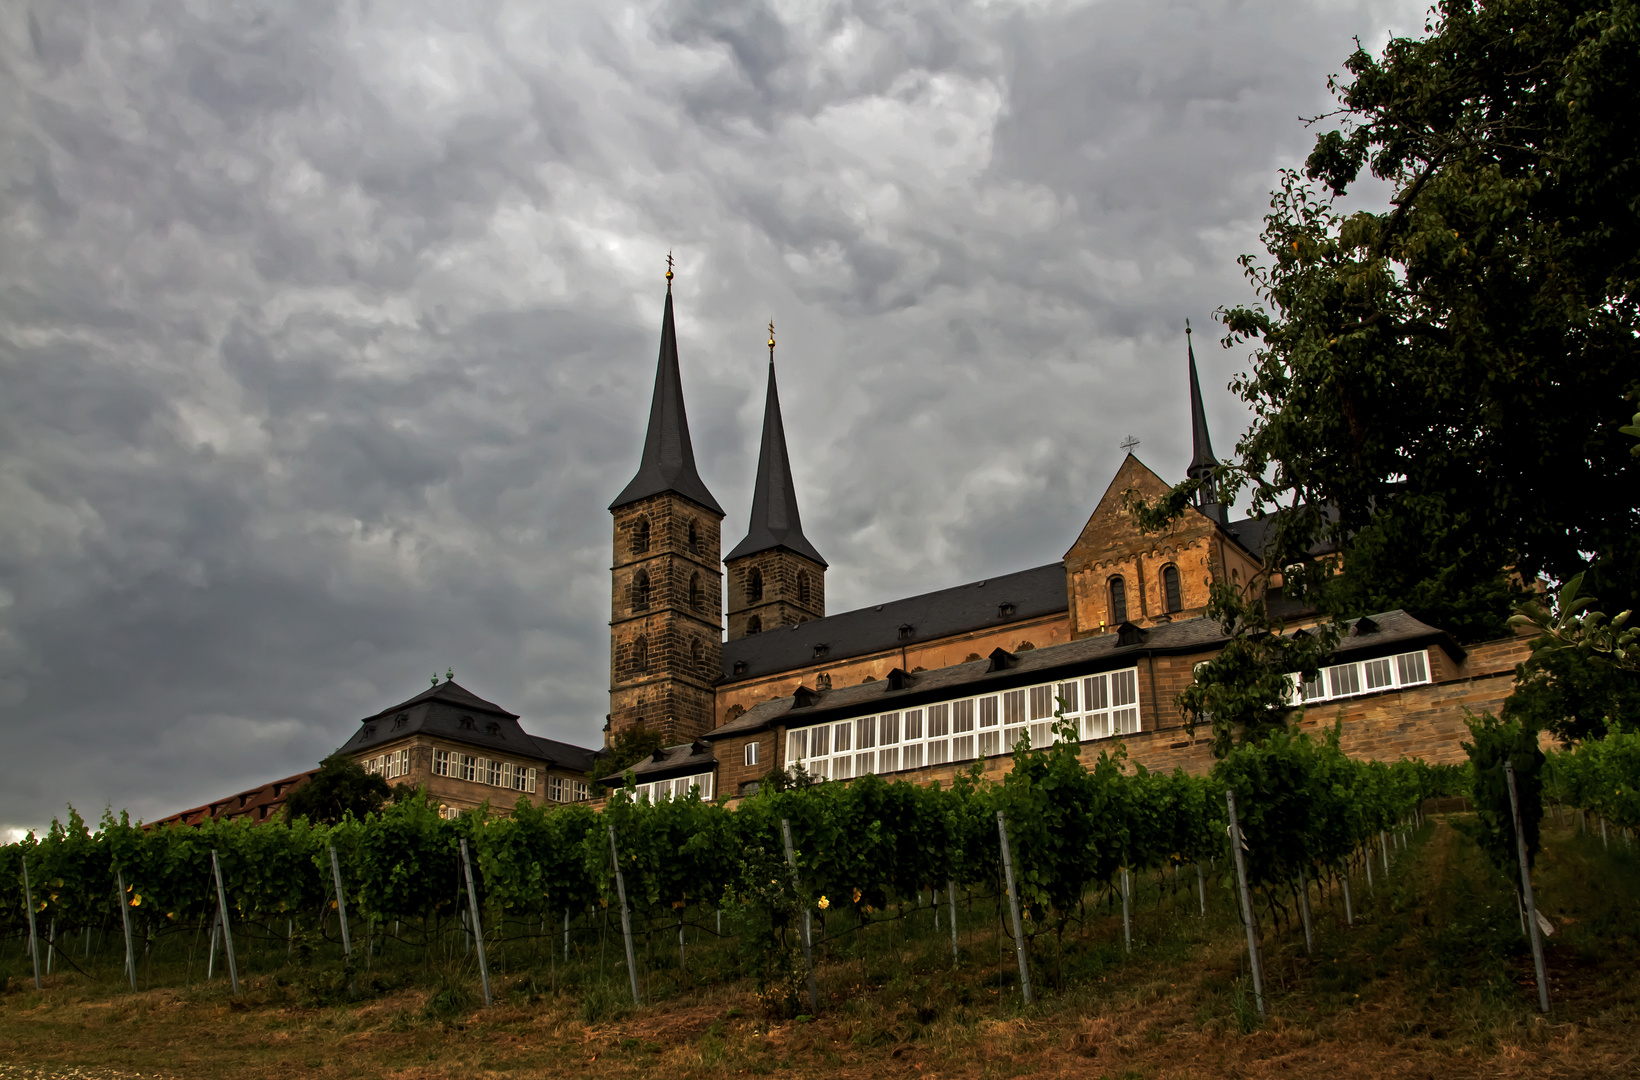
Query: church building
[(923, 687)]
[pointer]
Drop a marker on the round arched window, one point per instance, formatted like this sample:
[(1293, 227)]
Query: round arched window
[(1118, 600), (1170, 588)]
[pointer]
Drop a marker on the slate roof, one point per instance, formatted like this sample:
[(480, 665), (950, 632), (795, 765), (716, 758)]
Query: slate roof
[(258, 804), (451, 711), (1202, 460), (668, 462), (774, 521), (685, 759), (1256, 533), (1394, 631), (568, 755), (977, 605)]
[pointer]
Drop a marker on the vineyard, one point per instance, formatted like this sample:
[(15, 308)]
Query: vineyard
[(859, 853)]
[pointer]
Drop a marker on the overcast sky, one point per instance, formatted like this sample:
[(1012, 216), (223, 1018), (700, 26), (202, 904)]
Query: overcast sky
[(327, 331)]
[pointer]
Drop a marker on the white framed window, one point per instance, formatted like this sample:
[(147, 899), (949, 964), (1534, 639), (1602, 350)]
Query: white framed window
[(751, 753), (1109, 704), (679, 788), (555, 788), (1365, 677)]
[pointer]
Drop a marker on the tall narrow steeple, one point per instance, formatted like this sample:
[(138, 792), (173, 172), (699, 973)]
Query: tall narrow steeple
[(1202, 461), (776, 577), (775, 521), (668, 462)]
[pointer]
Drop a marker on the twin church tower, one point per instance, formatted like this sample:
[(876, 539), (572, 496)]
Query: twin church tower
[(666, 613)]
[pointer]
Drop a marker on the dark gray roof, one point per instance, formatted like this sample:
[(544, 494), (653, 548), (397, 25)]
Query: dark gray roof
[(977, 605), (567, 755), (1394, 630), (775, 522), (668, 462), (685, 759), (1256, 534), (451, 711)]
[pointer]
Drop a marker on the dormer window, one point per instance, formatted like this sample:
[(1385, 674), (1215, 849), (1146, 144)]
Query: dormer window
[(467, 723), (1005, 611), (907, 631), (740, 667), (400, 720), (821, 650), (369, 731), (493, 728)]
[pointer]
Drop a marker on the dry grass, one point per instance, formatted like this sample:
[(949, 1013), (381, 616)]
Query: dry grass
[(1430, 983)]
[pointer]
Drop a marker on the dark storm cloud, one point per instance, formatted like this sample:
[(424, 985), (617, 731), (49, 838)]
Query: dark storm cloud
[(327, 328)]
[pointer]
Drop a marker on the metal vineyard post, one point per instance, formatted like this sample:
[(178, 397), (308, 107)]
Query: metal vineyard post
[(808, 951), (125, 921), (1013, 908), (1526, 889), (1246, 903), (227, 930), (33, 936), (478, 925), (626, 916)]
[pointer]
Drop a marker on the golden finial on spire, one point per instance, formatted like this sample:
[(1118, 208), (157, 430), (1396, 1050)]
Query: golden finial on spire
[(668, 271), (1187, 326), (771, 341)]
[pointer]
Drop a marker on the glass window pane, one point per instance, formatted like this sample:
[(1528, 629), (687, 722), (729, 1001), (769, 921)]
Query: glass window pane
[(1344, 679), (888, 760), (1126, 721), (842, 768), (1067, 691), (962, 748), (1041, 734), (820, 741), (990, 743), (1315, 689), (865, 734), (1041, 702), (1124, 687), (864, 763), (1412, 668), (842, 737), (1096, 725), (962, 716), (913, 725), (1097, 692), (1377, 673), (1013, 707), (797, 745), (939, 751), (939, 721), (911, 756), (888, 729)]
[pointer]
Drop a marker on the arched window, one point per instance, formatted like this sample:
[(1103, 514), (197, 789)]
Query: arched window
[(697, 656), (1170, 588), (640, 654), (754, 625), (1118, 600), (640, 591), (802, 586), (640, 536), (754, 585), (694, 536), (697, 595)]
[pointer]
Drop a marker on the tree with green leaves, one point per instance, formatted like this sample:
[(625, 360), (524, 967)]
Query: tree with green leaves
[(340, 787), (1438, 381), (1246, 691)]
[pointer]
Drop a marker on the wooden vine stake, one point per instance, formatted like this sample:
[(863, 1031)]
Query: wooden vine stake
[(478, 926), (1013, 908), (33, 935), (1526, 890), (1253, 960), (808, 948), (227, 931), (626, 916), (125, 921)]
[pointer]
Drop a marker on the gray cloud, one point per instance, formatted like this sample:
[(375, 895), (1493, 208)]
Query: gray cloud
[(326, 329)]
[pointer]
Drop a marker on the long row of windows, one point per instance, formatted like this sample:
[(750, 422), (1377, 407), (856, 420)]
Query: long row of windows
[(1365, 677), (478, 770), (391, 765), (662, 790), (954, 731)]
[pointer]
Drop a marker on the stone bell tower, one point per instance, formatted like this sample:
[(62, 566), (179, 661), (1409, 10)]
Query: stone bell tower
[(666, 629)]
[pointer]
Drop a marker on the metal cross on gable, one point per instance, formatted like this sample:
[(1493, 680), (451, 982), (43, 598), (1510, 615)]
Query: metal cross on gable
[(1129, 443)]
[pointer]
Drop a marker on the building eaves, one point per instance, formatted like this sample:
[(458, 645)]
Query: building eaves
[(685, 759)]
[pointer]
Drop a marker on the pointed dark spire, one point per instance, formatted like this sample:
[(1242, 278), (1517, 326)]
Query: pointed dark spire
[(775, 522), (668, 457), (1202, 461)]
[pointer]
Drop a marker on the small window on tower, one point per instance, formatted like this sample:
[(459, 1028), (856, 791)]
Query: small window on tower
[(640, 591), (1118, 600), (754, 585), (694, 536), (754, 625), (697, 595), (697, 656), (640, 536), (1170, 588), (802, 586), (640, 654)]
